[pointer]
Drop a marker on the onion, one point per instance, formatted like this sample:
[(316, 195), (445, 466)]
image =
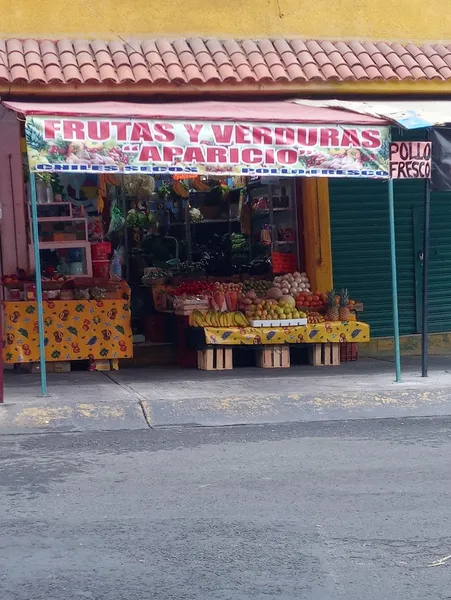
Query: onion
[(285, 291), (307, 286)]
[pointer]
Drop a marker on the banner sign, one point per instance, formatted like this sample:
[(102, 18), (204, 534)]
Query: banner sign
[(71, 144), (441, 159), (410, 160)]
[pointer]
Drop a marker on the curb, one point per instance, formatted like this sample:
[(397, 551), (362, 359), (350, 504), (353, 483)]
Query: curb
[(260, 409), (137, 413), (45, 417)]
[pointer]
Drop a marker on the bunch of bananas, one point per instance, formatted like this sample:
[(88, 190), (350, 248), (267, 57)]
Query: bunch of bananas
[(180, 189), (213, 318), (200, 186)]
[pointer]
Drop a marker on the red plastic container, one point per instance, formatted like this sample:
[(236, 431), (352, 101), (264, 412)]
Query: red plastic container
[(155, 327), (349, 351), (101, 268), (100, 251)]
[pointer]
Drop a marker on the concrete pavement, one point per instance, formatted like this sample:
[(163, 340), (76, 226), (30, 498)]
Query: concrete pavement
[(153, 397), (77, 401)]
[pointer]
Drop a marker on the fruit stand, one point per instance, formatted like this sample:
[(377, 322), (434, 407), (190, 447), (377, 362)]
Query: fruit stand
[(228, 197), (82, 321), (269, 316)]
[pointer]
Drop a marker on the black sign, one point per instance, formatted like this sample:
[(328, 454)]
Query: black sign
[(441, 159)]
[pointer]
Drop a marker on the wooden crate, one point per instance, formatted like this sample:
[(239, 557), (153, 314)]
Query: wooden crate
[(50, 367), (215, 359), (274, 357), (325, 355), (107, 364), (59, 366)]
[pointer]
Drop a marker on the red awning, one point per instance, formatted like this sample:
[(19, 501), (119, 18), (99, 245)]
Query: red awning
[(282, 111)]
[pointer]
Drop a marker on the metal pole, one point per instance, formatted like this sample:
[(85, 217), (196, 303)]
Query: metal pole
[(391, 212), (425, 307), (37, 265), (1, 358)]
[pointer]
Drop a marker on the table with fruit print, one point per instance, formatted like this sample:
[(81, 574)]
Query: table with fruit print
[(73, 330), (320, 333)]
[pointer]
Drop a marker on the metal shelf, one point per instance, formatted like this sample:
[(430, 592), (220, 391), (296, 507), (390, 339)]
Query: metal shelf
[(51, 219)]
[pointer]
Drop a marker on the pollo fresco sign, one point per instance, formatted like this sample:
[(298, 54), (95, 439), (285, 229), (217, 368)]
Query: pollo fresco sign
[(71, 144)]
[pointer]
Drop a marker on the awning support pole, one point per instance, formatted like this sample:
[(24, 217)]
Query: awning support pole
[(391, 209), (425, 297), (37, 264)]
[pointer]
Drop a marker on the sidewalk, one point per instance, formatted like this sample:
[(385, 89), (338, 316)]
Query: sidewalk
[(152, 397)]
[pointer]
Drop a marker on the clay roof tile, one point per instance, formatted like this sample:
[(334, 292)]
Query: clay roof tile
[(199, 61)]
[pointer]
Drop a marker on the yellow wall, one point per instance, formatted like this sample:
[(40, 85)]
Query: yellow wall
[(376, 19), (317, 235)]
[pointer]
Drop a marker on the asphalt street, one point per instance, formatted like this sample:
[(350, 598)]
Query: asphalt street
[(349, 510)]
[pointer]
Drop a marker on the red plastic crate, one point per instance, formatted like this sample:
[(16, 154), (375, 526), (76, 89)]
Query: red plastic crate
[(349, 351), (154, 328)]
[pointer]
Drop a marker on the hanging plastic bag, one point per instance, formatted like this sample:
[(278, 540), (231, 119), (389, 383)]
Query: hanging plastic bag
[(115, 266), (120, 251), (117, 221)]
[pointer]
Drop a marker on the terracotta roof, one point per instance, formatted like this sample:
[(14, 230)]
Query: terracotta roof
[(212, 61)]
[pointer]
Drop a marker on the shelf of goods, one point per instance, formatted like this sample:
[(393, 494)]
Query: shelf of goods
[(63, 230), (96, 326)]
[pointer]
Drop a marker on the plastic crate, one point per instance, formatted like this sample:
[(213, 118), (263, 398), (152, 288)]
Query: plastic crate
[(349, 351)]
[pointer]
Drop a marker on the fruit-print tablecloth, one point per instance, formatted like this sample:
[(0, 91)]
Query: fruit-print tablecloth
[(342, 331), (74, 330)]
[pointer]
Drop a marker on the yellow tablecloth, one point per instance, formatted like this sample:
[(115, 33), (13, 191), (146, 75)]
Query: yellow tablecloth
[(343, 331), (74, 330)]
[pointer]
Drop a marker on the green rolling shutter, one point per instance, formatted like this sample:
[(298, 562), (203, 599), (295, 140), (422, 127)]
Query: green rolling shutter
[(361, 252), (440, 263)]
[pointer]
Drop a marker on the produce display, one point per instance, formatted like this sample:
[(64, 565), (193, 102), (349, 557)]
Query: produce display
[(214, 318), (238, 242), (338, 306), (271, 309), (344, 306), (193, 288), (50, 274), (228, 286), (313, 318), (292, 283), (284, 302), (260, 286), (224, 301), (307, 301), (153, 275), (189, 268)]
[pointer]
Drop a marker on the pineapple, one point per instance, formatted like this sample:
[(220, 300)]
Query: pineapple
[(34, 135), (344, 312), (332, 306)]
